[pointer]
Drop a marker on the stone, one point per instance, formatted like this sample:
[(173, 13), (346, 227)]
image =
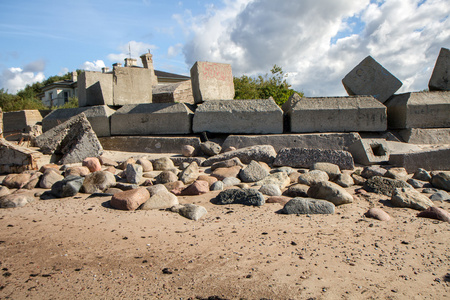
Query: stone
[(16, 181), (49, 178), (152, 118), (129, 200), (33, 182), (397, 173), (435, 213), (270, 190), (74, 140), (112, 191), (262, 116), (227, 163), (188, 151), (199, 187), (163, 163), (426, 135), (210, 148), (166, 177), (332, 170), (440, 78), (147, 166), (357, 179), (419, 110), (104, 161), (305, 158), (230, 181), (149, 144), (77, 171), (207, 178), (174, 186), (385, 186), (345, 180), (312, 177), (297, 190), (278, 199), (440, 196), (281, 179), (92, 163), (287, 170), (123, 165), (156, 189), (262, 153), (370, 151), (180, 160), (331, 192), (422, 174), (4, 191), (371, 171), (68, 187), (240, 196), (409, 197), (16, 159), (417, 184), (222, 173), (49, 166), (190, 211), (294, 176), (338, 114), (98, 182), (377, 213), (161, 200), (126, 186), (308, 206), (370, 78), (134, 173), (16, 200), (190, 174), (441, 180), (428, 159), (211, 81), (217, 186), (228, 149), (253, 172)]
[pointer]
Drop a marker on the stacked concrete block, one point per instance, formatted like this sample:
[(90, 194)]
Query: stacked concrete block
[(173, 92), (440, 79), (98, 116), (371, 78), (337, 114), (132, 85), (95, 88), (152, 118), (428, 159), (148, 144), (239, 116), (212, 81), (17, 122), (426, 135), (370, 151)]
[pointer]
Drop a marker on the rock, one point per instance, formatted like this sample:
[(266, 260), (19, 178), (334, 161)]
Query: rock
[(227, 163), (222, 173), (190, 211), (302, 206), (230, 181), (197, 188), (441, 180), (287, 170), (104, 161), (396, 173), (161, 200), (358, 179), (163, 163), (409, 197), (331, 192), (435, 213), (217, 186), (305, 158), (279, 199), (98, 182), (188, 151), (297, 190), (156, 189), (253, 172), (345, 180), (377, 213), (242, 185), (229, 149), (49, 166), (16, 181), (190, 174), (440, 196), (270, 190), (294, 177), (209, 179), (166, 177), (16, 200), (264, 153), (382, 185), (430, 190), (123, 165), (126, 186), (111, 170), (16, 159), (112, 191), (49, 178), (240, 196), (417, 184), (210, 148), (33, 182), (130, 200), (422, 174), (147, 166), (281, 179), (133, 173), (4, 191), (332, 170), (174, 186), (68, 187), (372, 171), (312, 177), (92, 163), (77, 171)]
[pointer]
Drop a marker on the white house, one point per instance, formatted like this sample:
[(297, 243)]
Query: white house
[(59, 92)]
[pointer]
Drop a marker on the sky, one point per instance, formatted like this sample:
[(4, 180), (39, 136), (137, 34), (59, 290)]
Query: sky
[(316, 42)]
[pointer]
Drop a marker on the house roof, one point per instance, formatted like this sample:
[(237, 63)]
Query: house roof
[(163, 74), (61, 84)]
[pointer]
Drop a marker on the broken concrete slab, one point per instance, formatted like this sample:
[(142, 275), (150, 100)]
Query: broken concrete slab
[(212, 81), (152, 118), (428, 158), (305, 158), (440, 78), (370, 78), (16, 159), (74, 140), (239, 116), (426, 135), (180, 92), (148, 144), (98, 116), (370, 151), (419, 110), (337, 114)]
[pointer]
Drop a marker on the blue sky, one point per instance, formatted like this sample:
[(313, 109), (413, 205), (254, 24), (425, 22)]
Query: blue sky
[(317, 42)]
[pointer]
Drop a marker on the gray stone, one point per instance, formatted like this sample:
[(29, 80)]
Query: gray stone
[(441, 180), (332, 170), (190, 174), (428, 159), (240, 196), (422, 174), (16, 159), (397, 173), (261, 116), (440, 78), (166, 177), (157, 188), (16, 200), (4, 191), (385, 186), (263, 153), (235, 161), (312, 177), (212, 81), (440, 196), (345, 180), (68, 187), (270, 190), (370, 78), (305, 158), (409, 197), (253, 172), (303, 206), (371, 171), (370, 151), (133, 173), (417, 184), (331, 192), (426, 135), (98, 182), (297, 190), (217, 186), (190, 211), (49, 178), (230, 181), (147, 166), (287, 170), (210, 148), (161, 200), (148, 144), (163, 163), (281, 179), (125, 186)]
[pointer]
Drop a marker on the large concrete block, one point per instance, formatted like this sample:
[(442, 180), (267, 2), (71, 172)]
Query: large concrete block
[(16, 122), (148, 144), (428, 159), (338, 114), (239, 116), (95, 88), (173, 92), (370, 151), (16, 159), (98, 116), (370, 78), (426, 135), (305, 158), (212, 81), (152, 118), (440, 79), (132, 85), (419, 110)]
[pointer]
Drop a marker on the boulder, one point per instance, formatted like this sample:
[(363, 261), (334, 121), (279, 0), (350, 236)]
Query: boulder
[(440, 196), (16, 181), (253, 172), (156, 189), (227, 163), (397, 173), (161, 200), (197, 188), (166, 177), (422, 174), (278, 199), (377, 213), (417, 184), (190, 174), (16, 159), (372, 171), (345, 180), (68, 187), (92, 163), (331, 192), (133, 173), (409, 197), (222, 173), (98, 182), (210, 148), (147, 166), (270, 190), (281, 179), (4, 191), (104, 161), (231, 181), (240, 196), (77, 171), (130, 200), (297, 190), (162, 164), (332, 170), (264, 153), (303, 206), (435, 213), (190, 211), (16, 200), (207, 178), (123, 165), (305, 158), (441, 180), (312, 177), (217, 186), (187, 151), (385, 186), (49, 178)]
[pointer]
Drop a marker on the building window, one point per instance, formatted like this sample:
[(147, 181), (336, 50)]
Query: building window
[(66, 97)]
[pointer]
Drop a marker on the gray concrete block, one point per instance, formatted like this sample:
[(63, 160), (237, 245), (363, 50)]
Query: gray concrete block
[(305, 158), (428, 159), (370, 151), (370, 78), (95, 88), (98, 116), (212, 81), (337, 114), (152, 118), (132, 85), (18, 121), (148, 144), (440, 78), (426, 135), (239, 116), (419, 110), (173, 92)]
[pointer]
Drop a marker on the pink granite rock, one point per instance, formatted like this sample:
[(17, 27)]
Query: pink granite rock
[(130, 200), (92, 163), (377, 213), (197, 188), (437, 213)]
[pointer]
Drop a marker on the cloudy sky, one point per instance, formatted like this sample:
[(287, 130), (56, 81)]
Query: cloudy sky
[(316, 42)]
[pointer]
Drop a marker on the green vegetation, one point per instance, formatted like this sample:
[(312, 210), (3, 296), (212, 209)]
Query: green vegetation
[(263, 87)]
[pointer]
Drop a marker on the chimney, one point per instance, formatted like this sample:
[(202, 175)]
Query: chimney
[(74, 76), (147, 60), (130, 62), (105, 70), (117, 65)]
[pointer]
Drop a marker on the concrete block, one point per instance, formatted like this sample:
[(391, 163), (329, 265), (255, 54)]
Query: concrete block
[(419, 110), (212, 81), (338, 114), (331, 141), (132, 85), (440, 78), (98, 116), (370, 78), (173, 92), (239, 116), (95, 88), (428, 159), (148, 144), (16, 159), (305, 158), (17, 122), (426, 135), (370, 151), (152, 118)]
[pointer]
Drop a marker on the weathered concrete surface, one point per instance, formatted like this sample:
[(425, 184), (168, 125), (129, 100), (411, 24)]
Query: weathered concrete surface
[(132, 85), (95, 88), (331, 141), (370, 151), (239, 116), (305, 158), (152, 118), (429, 159), (16, 122), (98, 116), (212, 81), (263, 153), (440, 78), (426, 135), (148, 144), (16, 159), (288, 105), (370, 78), (419, 110), (74, 140), (173, 92), (337, 114)]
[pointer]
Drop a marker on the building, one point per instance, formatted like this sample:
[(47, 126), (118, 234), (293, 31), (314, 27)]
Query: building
[(59, 92)]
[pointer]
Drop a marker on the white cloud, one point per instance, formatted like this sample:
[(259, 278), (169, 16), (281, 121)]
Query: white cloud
[(136, 48), (96, 65), (15, 79), (173, 51), (319, 41)]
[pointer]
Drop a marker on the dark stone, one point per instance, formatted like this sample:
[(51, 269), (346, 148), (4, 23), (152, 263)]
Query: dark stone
[(305, 158), (240, 196), (383, 185), (68, 187)]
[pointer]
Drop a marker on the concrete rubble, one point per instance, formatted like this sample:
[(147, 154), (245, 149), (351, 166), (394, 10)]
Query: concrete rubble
[(16, 159)]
